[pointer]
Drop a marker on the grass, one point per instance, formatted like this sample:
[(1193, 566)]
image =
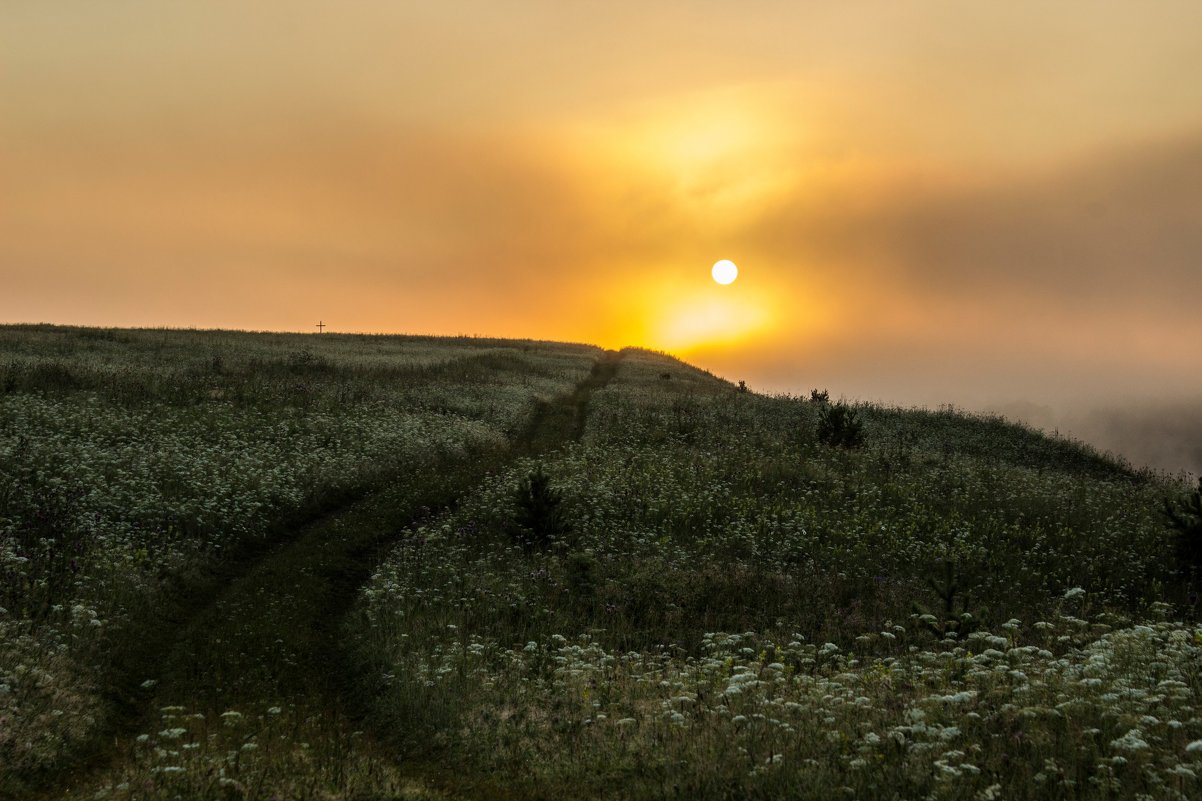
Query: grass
[(173, 460), (743, 611), (310, 542)]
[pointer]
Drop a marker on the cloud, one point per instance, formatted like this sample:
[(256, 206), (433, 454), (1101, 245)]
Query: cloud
[(1119, 229), (1040, 284), (409, 209)]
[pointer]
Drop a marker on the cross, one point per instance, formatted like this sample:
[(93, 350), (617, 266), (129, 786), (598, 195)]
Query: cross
[(321, 327)]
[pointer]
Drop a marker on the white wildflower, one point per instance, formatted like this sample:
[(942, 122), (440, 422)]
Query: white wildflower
[(1133, 740)]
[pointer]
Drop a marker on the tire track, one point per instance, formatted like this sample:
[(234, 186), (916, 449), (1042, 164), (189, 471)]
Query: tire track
[(268, 632)]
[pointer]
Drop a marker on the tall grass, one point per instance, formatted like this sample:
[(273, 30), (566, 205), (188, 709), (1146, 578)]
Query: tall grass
[(745, 612), (698, 598), (132, 461)]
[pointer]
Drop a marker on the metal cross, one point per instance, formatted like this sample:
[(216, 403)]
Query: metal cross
[(321, 327)]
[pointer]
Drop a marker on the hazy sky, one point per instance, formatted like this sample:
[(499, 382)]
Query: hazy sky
[(975, 203)]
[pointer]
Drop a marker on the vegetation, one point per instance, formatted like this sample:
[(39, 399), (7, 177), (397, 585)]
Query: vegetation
[(770, 617), (135, 463), (1185, 517), (539, 522), (528, 570), (840, 426)]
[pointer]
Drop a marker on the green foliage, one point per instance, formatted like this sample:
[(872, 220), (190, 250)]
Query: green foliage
[(581, 570), (840, 426), (948, 620), (704, 604), (42, 528), (539, 521), (38, 376), (134, 462), (737, 615), (1185, 518), (819, 396)]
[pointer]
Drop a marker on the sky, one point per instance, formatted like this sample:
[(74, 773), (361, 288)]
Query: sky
[(992, 205)]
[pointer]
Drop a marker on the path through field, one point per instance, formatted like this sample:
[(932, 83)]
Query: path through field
[(264, 648)]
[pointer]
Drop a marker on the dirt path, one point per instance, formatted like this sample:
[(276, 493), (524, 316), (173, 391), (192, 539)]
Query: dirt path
[(269, 638), (563, 419)]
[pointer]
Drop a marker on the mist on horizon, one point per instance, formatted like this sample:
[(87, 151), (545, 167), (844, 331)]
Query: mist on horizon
[(996, 207)]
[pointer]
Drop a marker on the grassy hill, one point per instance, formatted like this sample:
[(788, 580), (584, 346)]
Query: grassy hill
[(242, 565)]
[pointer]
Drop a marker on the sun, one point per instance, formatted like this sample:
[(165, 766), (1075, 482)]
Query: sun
[(725, 271)]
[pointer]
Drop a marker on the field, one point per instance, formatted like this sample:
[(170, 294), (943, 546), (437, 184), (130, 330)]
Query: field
[(243, 565)]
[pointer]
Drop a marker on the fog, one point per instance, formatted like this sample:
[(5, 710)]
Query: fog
[(1165, 436), (993, 206)]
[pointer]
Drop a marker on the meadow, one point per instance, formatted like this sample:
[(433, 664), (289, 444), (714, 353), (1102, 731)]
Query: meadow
[(571, 574), (132, 462)]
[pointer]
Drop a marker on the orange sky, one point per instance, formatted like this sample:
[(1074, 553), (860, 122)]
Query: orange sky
[(975, 203)]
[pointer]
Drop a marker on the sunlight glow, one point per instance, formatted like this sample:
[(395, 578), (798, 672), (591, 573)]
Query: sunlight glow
[(708, 319)]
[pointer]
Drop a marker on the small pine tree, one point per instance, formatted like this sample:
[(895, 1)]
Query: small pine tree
[(947, 620), (539, 521), (1185, 517), (840, 426), (817, 396)]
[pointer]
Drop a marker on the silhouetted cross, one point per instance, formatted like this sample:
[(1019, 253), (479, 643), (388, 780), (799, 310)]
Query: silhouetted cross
[(321, 327)]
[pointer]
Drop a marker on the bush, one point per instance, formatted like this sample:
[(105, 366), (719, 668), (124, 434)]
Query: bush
[(840, 426), (1185, 516), (581, 570), (539, 521)]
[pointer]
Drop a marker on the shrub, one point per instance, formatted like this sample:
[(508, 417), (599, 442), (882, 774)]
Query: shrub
[(840, 426), (947, 620), (1185, 517), (581, 570), (539, 521), (819, 397)]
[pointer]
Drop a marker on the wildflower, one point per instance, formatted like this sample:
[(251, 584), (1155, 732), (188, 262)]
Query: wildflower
[(1133, 740)]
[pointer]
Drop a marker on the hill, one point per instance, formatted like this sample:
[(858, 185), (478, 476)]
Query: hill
[(245, 565)]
